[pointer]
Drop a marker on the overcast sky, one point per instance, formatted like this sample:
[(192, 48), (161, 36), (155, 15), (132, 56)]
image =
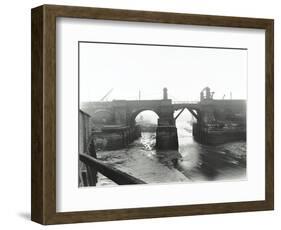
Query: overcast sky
[(184, 71)]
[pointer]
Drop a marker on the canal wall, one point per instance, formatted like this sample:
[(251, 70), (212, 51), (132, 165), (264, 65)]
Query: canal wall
[(115, 137), (148, 128), (210, 135), (221, 121)]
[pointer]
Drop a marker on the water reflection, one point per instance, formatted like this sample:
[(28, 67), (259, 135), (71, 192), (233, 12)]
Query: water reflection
[(207, 163)]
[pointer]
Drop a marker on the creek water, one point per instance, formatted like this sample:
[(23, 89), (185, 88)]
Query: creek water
[(196, 162)]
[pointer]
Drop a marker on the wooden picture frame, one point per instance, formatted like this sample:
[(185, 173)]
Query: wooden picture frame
[(43, 204)]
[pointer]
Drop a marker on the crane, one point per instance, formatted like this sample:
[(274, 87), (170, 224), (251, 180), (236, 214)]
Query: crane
[(106, 95)]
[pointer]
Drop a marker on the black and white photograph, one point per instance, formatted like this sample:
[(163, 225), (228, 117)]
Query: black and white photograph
[(161, 113), (147, 114)]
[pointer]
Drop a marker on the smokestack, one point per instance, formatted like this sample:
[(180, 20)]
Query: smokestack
[(165, 94)]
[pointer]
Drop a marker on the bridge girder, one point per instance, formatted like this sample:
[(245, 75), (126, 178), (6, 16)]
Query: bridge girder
[(179, 113), (193, 113)]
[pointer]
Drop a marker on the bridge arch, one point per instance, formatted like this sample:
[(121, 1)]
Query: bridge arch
[(137, 112), (102, 116)]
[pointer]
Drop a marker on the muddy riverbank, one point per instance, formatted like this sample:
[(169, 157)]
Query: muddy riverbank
[(196, 162)]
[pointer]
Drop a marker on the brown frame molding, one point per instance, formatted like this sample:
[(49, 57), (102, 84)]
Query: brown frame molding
[(43, 188)]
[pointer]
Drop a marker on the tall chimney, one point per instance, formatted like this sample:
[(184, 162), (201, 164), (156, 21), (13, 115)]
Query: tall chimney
[(165, 94)]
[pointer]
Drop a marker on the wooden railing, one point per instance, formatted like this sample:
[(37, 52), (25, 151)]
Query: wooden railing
[(94, 165)]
